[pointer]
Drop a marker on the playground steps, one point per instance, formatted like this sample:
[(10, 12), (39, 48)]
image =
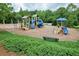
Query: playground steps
[(24, 28)]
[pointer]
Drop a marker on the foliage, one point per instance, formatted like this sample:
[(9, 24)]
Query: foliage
[(26, 45), (5, 9), (76, 27), (71, 13)]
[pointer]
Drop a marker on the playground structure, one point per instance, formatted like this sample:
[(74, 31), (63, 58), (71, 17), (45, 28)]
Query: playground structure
[(25, 23), (46, 31), (35, 22), (31, 23), (63, 29)]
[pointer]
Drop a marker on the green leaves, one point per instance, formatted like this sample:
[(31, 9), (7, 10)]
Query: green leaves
[(25, 45), (71, 13), (5, 9)]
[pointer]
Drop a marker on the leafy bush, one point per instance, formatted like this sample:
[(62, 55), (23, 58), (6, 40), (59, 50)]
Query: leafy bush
[(54, 22), (31, 46), (76, 27)]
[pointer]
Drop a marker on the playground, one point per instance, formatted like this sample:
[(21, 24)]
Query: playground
[(35, 31), (39, 32), (48, 31), (34, 26)]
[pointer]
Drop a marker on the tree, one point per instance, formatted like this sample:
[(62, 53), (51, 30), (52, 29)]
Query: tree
[(71, 7), (71, 18), (18, 17), (77, 14), (5, 9), (71, 15), (48, 16), (61, 12), (41, 14)]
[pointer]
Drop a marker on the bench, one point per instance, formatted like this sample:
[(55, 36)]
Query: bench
[(51, 39)]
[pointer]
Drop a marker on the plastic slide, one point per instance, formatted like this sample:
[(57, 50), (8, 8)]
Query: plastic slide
[(40, 23), (65, 30)]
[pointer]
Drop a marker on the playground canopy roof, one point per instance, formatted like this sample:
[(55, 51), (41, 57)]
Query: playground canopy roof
[(34, 15), (61, 19), (25, 17)]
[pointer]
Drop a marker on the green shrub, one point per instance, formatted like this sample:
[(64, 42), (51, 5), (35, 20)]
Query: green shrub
[(31, 46), (76, 27)]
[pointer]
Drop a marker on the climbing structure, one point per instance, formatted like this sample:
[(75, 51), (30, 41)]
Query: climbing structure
[(31, 22), (25, 22)]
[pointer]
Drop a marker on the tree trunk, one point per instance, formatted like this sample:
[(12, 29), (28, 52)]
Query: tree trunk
[(18, 21), (11, 21), (3, 21)]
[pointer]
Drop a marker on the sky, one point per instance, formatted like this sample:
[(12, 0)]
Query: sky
[(39, 6)]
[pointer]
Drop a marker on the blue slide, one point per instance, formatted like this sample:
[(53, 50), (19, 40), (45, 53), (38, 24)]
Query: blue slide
[(40, 23), (65, 30)]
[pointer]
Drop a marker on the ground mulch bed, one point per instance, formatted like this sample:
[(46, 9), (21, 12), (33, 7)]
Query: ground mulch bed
[(47, 31), (4, 52)]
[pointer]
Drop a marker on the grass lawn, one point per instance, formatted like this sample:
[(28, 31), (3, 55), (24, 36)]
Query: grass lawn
[(25, 45)]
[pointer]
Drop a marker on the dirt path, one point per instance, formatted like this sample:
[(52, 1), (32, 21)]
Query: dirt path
[(4, 52)]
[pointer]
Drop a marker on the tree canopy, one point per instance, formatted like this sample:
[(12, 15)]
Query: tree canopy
[(71, 13)]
